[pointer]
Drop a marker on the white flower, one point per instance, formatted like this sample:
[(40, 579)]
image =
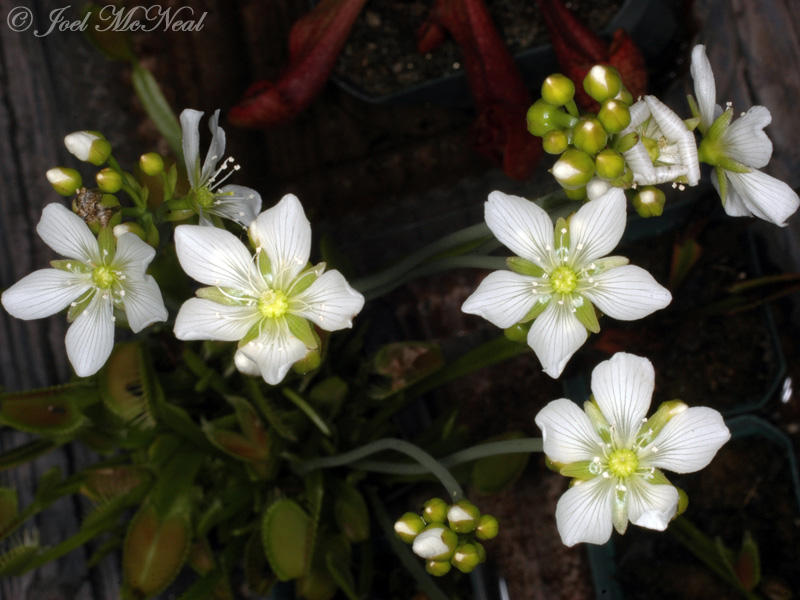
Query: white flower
[(737, 150), (92, 282), (666, 150), (266, 301), (235, 202), (562, 274), (88, 146), (615, 455)]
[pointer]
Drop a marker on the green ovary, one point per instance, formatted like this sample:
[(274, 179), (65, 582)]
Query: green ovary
[(104, 277), (203, 197), (623, 463), (273, 304), (563, 280)]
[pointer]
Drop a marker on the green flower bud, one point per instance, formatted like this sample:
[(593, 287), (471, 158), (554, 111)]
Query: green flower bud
[(624, 96), (108, 180), (408, 527), (311, 361), (466, 558), (151, 163), (576, 194), (543, 117), (435, 511), (626, 142), (65, 181), (649, 202), (88, 146), (463, 516), (574, 169), (435, 542), (589, 135), (487, 527), (609, 164), (558, 89), (555, 142), (481, 551), (438, 568), (129, 227), (602, 82), (614, 115)]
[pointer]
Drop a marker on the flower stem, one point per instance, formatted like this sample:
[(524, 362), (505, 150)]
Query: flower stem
[(429, 464), (516, 446)]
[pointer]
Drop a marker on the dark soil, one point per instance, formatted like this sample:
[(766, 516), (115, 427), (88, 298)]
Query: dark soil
[(381, 58), (747, 487)]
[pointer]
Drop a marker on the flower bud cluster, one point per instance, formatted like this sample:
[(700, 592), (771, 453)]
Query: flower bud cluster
[(447, 536), (588, 145)]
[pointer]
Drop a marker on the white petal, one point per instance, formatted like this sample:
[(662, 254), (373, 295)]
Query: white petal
[(689, 440), (329, 302), (641, 164), (675, 130), (766, 197), (245, 365), (567, 432), (143, 302), (650, 505), (733, 203), (44, 293), (627, 293), (216, 257), (705, 89), (521, 226), (596, 188), (429, 543), (275, 351), (583, 513), (623, 387), (640, 112), (66, 233), (687, 149), (745, 140), (555, 336), (132, 255), (90, 338), (190, 133), (503, 298), (597, 227), (216, 149), (285, 234), (201, 319), (237, 203)]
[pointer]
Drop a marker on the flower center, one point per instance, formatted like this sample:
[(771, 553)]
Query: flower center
[(204, 197), (104, 277), (623, 463), (273, 304), (563, 280)]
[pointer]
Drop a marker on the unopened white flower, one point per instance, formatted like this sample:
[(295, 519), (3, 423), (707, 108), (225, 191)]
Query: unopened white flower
[(235, 202), (435, 543), (666, 150), (737, 150), (561, 276), (615, 454), (93, 281), (264, 301), (88, 146)]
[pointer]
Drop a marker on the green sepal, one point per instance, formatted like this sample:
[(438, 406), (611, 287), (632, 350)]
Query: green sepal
[(518, 332), (225, 296), (719, 125), (107, 243), (691, 124), (722, 183), (553, 465), (76, 307), (587, 315), (304, 280), (665, 412), (598, 419), (170, 182), (264, 264), (727, 163), (71, 266), (524, 267), (683, 502), (608, 262), (619, 509), (578, 470), (537, 309), (285, 529), (302, 330), (694, 109), (252, 334), (624, 143)]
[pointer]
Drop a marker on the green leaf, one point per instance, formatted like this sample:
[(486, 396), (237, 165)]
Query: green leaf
[(587, 315), (285, 529), (155, 549), (157, 108), (51, 411), (337, 559), (15, 560), (26, 453), (257, 573), (351, 514), (685, 255), (126, 386), (493, 474), (748, 563), (405, 363), (304, 280), (235, 444), (9, 509), (537, 309)]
